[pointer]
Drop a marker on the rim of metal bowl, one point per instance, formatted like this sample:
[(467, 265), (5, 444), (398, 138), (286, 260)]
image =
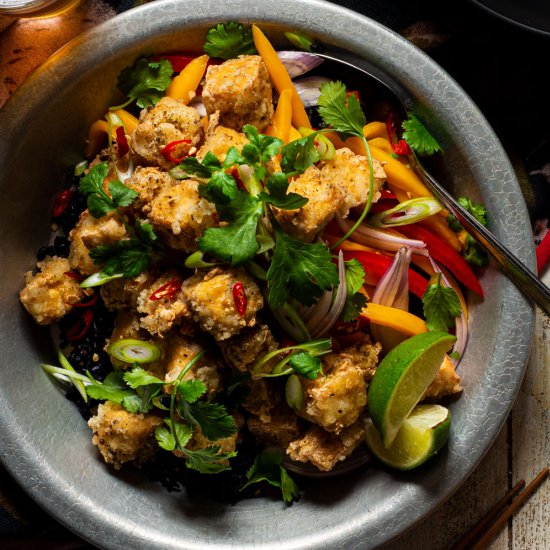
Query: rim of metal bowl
[(347, 29)]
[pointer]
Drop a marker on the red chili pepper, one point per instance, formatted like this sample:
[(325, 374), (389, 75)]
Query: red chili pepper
[(287, 343), (61, 202), (376, 265), (543, 253), (444, 253), (167, 290), (382, 206), (240, 299), (236, 176), (399, 146), (168, 150), (81, 327), (91, 302), (355, 93), (121, 141), (74, 276), (386, 194)]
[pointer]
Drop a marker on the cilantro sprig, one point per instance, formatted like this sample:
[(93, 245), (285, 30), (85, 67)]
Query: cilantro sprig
[(418, 137), (441, 305), (145, 82), (229, 40), (355, 300)]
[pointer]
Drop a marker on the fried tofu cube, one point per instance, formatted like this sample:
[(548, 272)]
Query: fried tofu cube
[(335, 400), (161, 313), (263, 399), (181, 216), (219, 140), (212, 303), (89, 233), (123, 293), (323, 449), (179, 352), (445, 383), (50, 294), (122, 436), (148, 182), (168, 121), (242, 351), (241, 91), (280, 430)]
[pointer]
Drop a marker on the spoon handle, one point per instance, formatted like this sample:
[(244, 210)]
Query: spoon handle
[(524, 279)]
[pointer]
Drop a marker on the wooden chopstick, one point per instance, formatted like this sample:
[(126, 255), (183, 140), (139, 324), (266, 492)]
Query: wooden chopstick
[(470, 535), (499, 515)]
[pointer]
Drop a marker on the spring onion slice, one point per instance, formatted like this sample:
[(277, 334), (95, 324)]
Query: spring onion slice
[(197, 261), (291, 322), (411, 211), (98, 279), (134, 351), (294, 392)]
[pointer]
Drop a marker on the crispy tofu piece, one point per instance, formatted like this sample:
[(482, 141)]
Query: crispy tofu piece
[(181, 216), (282, 428), (169, 120), (220, 140), (123, 293), (323, 449), (446, 382), (263, 399), (50, 294), (179, 352), (332, 187), (210, 299), (335, 400), (241, 351), (147, 182), (162, 314), (122, 436), (241, 91), (90, 232)]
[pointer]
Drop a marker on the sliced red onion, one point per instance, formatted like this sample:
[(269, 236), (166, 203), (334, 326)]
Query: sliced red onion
[(410, 211), (393, 291), (309, 89), (198, 105), (299, 63), (461, 323), (377, 238), (320, 318)]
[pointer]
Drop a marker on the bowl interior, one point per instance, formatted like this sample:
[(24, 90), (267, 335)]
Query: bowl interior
[(45, 443)]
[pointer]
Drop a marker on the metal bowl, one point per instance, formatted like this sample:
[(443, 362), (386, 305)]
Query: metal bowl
[(44, 442)]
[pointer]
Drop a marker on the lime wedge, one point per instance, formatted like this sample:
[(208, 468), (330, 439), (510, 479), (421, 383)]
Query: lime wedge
[(401, 379), (420, 437)]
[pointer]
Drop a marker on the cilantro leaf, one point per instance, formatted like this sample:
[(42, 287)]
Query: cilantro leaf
[(305, 365), (92, 182), (229, 40), (129, 257), (191, 390), (299, 155), (418, 137), (355, 300), (341, 111), (207, 461), (236, 242), (267, 467), (261, 147), (192, 166), (441, 305), (474, 253), (233, 157), (478, 211), (146, 81), (120, 194), (301, 270), (138, 377), (146, 233), (113, 388), (212, 418), (220, 189), (166, 436), (277, 185)]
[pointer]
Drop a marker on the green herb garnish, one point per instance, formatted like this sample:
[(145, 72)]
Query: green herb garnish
[(441, 305), (355, 300), (229, 40), (418, 137)]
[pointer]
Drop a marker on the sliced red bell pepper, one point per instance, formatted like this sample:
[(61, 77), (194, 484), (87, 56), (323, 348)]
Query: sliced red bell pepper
[(445, 254), (543, 253), (399, 146), (377, 265)]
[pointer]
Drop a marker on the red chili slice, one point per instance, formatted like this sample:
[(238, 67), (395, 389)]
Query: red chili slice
[(168, 150), (167, 290), (91, 302), (240, 299), (121, 141), (399, 146), (81, 327), (61, 202), (236, 176), (74, 276)]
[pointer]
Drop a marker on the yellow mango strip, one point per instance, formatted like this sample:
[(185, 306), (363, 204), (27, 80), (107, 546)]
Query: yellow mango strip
[(436, 224), (280, 77), (293, 134), (353, 143), (350, 245), (400, 175), (96, 137), (375, 129), (184, 85), (283, 115), (382, 144), (130, 121), (400, 320)]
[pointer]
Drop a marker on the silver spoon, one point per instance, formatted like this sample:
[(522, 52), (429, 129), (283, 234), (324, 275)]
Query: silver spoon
[(524, 279)]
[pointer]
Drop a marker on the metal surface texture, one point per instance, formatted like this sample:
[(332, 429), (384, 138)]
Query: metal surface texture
[(44, 442)]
